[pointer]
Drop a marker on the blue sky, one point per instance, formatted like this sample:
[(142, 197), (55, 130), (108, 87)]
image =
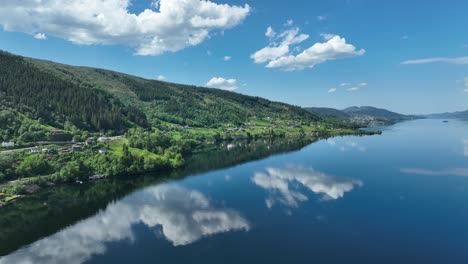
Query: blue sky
[(402, 55)]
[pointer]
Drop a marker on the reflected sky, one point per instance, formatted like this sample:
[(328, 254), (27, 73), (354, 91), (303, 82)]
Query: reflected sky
[(445, 172), (346, 146), (283, 188), (465, 147), (183, 215)]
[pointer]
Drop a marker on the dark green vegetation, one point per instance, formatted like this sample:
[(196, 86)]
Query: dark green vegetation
[(360, 116), (46, 212), (158, 124)]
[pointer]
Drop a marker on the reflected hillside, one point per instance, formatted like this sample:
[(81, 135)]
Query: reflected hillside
[(183, 217), (47, 212)]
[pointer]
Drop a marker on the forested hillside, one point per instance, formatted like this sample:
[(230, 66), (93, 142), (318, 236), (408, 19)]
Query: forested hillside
[(176, 103), (42, 96)]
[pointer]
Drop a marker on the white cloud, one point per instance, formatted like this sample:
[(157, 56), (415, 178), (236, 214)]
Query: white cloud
[(322, 18), (332, 90), (289, 23), (282, 185), (466, 81), (345, 84), (278, 53), (353, 89), (40, 36), (270, 32), (161, 77), (363, 84), (155, 4), (221, 83), (404, 37), (183, 216), (455, 60), (177, 24), (466, 90), (227, 58), (446, 172)]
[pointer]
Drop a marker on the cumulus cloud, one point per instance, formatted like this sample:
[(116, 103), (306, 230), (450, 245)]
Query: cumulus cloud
[(282, 185), (363, 84), (289, 23), (322, 18), (456, 60), (353, 89), (332, 90), (183, 216), (40, 36), (175, 25), (270, 32), (280, 53), (221, 83), (161, 77), (227, 58), (446, 172), (345, 84)]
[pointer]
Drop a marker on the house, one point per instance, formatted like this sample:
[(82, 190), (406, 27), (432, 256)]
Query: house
[(102, 151), (9, 144), (89, 141), (34, 150), (102, 139), (76, 148), (52, 151), (65, 150)]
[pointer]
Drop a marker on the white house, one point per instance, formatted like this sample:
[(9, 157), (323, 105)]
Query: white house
[(103, 139), (9, 144), (102, 151), (34, 150)]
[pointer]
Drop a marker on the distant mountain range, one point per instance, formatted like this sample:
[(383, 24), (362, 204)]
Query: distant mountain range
[(459, 115), (361, 116)]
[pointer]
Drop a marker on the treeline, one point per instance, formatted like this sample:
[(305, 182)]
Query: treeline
[(42, 96), (198, 106)]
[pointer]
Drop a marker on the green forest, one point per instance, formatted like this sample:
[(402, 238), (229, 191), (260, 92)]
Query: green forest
[(133, 125)]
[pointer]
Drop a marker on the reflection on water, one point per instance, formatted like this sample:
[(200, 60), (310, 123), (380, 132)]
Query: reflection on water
[(446, 172), (281, 183), (183, 215), (465, 147), (347, 146)]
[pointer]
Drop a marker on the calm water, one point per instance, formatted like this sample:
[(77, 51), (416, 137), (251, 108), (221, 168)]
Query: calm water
[(397, 198)]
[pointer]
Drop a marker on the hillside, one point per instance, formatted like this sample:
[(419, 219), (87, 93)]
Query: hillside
[(459, 115), (360, 116), (170, 102), (328, 112), (376, 113)]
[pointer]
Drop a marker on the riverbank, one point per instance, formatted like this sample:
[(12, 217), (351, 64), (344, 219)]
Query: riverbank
[(138, 153)]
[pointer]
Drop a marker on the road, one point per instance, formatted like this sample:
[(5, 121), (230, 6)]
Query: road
[(22, 149)]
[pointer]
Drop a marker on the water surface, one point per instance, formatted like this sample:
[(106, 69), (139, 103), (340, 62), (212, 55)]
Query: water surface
[(396, 198)]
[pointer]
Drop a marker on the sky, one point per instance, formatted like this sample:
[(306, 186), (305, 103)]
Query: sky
[(405, 56)]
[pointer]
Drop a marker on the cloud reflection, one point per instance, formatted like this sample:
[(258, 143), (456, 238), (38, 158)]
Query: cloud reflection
[(283, 184), (445, 172), (184, 216)]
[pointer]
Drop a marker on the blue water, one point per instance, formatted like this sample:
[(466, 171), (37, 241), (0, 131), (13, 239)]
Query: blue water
[(401, 197)]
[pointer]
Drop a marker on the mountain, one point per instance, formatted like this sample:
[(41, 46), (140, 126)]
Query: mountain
[(360, 116), (459, 115), (90, 99), (328, 112), (377, 113)]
